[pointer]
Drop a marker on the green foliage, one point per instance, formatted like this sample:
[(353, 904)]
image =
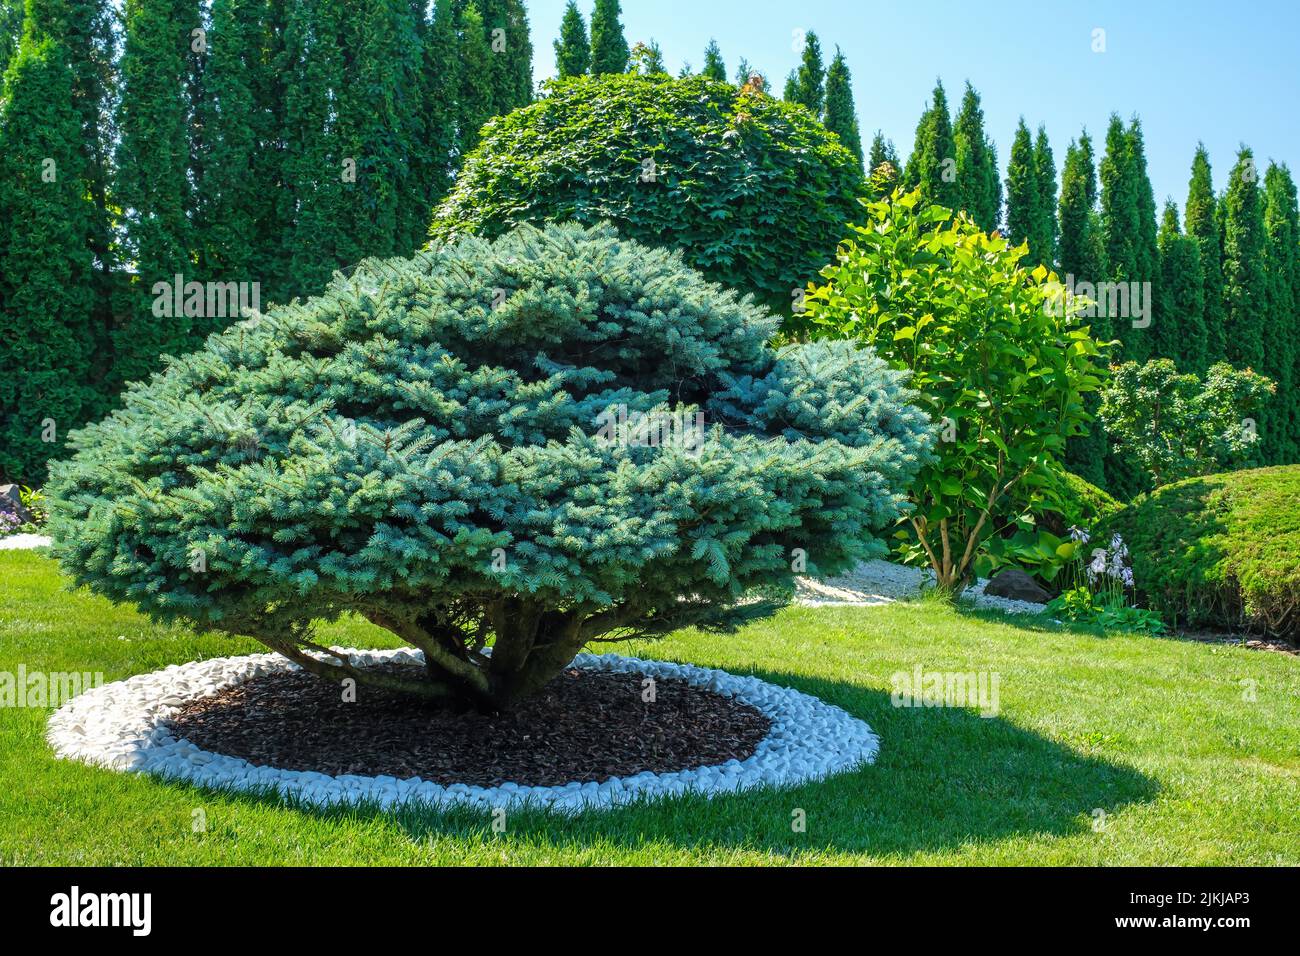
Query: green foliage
[(932, 167), (1031, 195), (505, 27), (1176, 425), (609, 50), (883, 165), (714, 67), (807, 86), (1002, 371), (427, 444), (153, 179), (572, 49), (977, 164), (474, 102), (240, 234), (647, 60), (1280, 425), (1045, 202), (1200, 218), (1245, 290), (1220, 550), (11, 29), (840, 116), (1180, 333), (1080, 606), (753, 191), (47, 221), (1081, 256)]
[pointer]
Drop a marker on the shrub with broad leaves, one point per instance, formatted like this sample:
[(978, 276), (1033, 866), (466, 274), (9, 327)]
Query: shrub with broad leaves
[(1002, 364)]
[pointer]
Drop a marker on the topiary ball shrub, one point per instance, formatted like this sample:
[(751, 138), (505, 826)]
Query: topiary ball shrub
[(754, 191), (553, 438), (1221, 550)]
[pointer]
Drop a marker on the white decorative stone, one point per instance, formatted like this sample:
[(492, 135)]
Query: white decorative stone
[(121, 726)]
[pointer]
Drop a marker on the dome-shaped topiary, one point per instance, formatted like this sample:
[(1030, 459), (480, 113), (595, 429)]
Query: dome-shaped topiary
[(495, 442), (754, 191)]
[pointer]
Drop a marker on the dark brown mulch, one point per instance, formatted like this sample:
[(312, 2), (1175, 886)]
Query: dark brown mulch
[(583, 726)]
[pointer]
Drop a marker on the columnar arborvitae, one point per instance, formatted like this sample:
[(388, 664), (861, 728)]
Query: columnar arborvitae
[(1178, 332), (505, 24), (1148, 254), (572, 49), (932, 167), (714, 67), (1045, 208), (238, 232), (840, 116), (153, 184), (1201, 221), (1282, 342), (609, 49), (1023, 213), (1079, 251), (47, 220), (475, 94), (380, 115), (1082, 259), (1119, 203), (1245, 286), (441, 86), (319, 172), (11, 29), (84, 30), (977, 164), (809, 87)]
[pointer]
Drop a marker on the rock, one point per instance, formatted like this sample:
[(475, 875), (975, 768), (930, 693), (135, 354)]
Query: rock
[(12, 501), (1016, 585)]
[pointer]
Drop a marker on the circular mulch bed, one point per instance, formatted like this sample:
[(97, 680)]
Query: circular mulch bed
[(262, 706), (584, 726)]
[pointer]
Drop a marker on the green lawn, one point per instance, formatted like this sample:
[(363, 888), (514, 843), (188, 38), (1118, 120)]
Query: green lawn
[(1156, 734)]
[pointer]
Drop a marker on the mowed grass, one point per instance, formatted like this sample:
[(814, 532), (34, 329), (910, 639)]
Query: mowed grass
[(1106, 750)]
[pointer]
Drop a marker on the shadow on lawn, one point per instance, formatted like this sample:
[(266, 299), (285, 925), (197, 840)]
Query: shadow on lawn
[(944, 778)]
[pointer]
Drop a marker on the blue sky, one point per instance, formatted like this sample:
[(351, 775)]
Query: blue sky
[(1193, 70)]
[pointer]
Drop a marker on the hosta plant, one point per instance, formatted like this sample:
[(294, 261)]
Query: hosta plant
[(525, 445)]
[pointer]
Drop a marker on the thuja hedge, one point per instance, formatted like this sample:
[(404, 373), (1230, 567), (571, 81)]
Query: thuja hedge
[(465, 448), (754, 191), (1220, 550)]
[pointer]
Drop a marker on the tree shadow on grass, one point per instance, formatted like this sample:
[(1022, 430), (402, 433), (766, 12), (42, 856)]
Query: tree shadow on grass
[(944, 778)]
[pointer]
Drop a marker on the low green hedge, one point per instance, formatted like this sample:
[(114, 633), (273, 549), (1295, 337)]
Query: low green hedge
[(1220, 551)]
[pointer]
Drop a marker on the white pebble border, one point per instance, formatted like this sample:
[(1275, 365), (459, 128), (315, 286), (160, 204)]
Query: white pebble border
[(122, 726)]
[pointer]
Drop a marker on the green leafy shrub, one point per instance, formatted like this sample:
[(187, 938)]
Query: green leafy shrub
[(754, 191), (454, 447), (1180, 425), (1002, 371), (1081, 606), (1220, 550)]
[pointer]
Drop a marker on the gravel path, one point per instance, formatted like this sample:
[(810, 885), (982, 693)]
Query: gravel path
[(873, 583)]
